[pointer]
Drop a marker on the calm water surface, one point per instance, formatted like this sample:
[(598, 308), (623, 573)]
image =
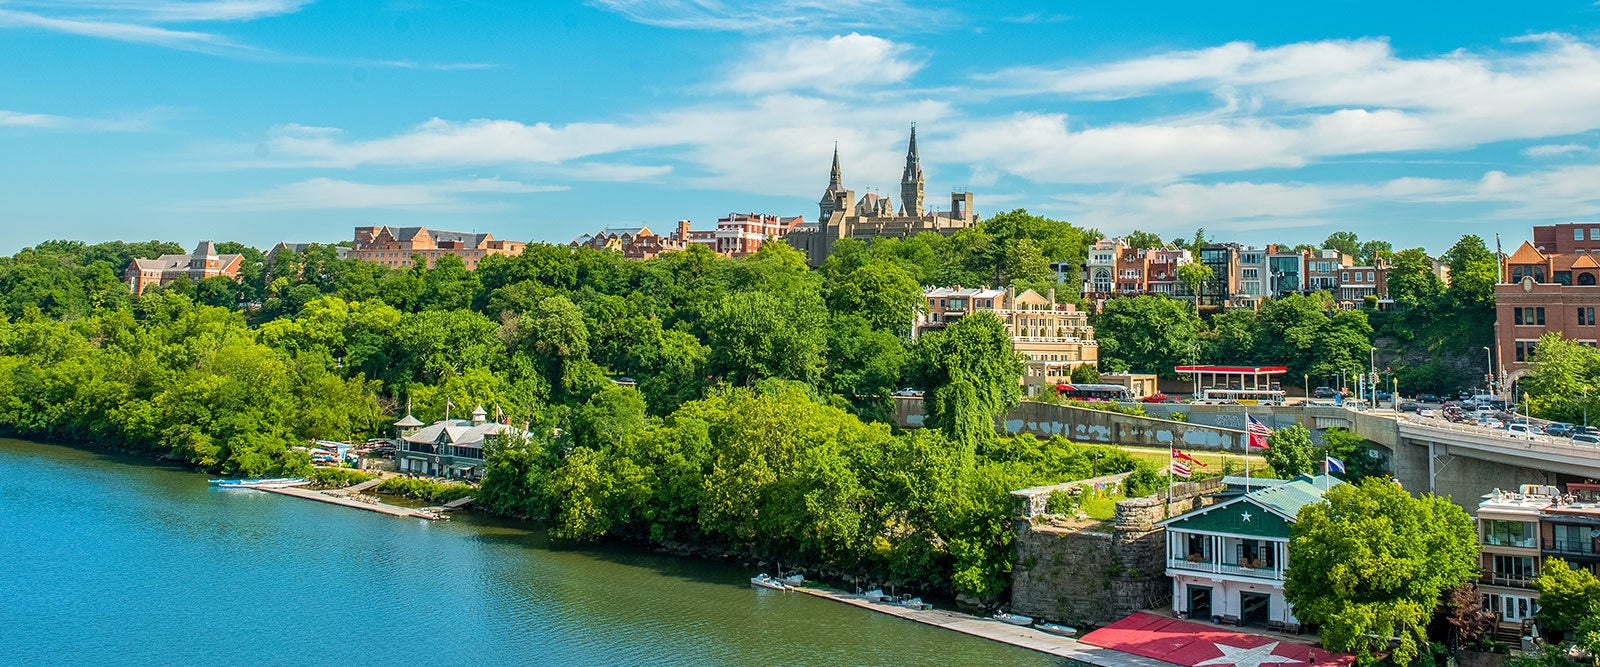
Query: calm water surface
[(110, 560)]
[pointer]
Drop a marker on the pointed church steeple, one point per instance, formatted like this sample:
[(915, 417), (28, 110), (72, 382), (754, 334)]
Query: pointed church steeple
[(911, 180), (835, 198)]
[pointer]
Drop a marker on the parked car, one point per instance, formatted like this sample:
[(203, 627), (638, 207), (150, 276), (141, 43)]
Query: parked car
[(1490, 422), (1558, 429), (1586, 439), (1325, 392), (1522, 428), (1159, 397), (1409, 407), (1427, 412), (909, 392)]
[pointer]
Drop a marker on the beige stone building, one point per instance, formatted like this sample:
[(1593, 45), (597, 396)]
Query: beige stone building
[(843, 216), (395, 246), (1053, 338)]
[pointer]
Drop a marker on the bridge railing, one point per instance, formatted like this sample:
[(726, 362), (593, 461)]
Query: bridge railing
[(1505, 439)]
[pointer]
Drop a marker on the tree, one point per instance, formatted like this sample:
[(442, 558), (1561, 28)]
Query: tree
[(1374, 251), (1290, 453), (1194, 276), (1569, 598), (1411, 279), (1354, 451), (882, 293), (1142, 240), (1147, 332), (969, 375), (1023, 262), (1564, 382), (1464, 613), (1085, 374), (1371, 563), (558, 339), (1197, 244), (1473, 272), (1345, 242)]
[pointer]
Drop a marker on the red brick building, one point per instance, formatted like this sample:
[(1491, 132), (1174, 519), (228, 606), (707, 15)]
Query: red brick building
[(395, 246), (1542, 292), (203, 263)]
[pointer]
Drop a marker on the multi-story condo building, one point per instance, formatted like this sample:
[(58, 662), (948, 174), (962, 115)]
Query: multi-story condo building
[(1543, 291), (1286, 271), (1356, 283), (1569, 527), (396, 246), (203, 263), (1222, 259), (1100, 269), (1253, 282), (1053, 338), (1133, 269), (1162, 271), (1322, 269), (1508, 535), (1227, 561)]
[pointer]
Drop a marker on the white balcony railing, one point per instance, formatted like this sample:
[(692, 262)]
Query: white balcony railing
[(1225, 568)]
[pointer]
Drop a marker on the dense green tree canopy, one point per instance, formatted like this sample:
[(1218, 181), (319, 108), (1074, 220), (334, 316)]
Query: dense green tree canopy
[(969, 374), (1371, 563), (1150, 334)]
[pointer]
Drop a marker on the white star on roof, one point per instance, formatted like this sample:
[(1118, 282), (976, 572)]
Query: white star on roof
[(1245, 516), (1248, 657)]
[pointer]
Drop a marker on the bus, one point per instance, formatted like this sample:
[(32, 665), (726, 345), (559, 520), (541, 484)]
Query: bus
[(1242, 397), (1094, 392)]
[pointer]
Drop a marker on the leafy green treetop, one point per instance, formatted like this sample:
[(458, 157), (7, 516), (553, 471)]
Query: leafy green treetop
[(1569, 600), (1290, 452), (1370, 563), (969, 375)]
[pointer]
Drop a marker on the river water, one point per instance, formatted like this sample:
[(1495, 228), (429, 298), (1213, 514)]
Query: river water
[(111, 560)]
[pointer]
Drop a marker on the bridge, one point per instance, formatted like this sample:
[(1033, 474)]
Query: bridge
[(1425, 454)]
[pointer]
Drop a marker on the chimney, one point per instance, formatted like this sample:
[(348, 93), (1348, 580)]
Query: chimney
[(1051, 295), (683, 231)]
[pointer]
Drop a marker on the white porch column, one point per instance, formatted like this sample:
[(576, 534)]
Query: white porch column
[(1216, 554)]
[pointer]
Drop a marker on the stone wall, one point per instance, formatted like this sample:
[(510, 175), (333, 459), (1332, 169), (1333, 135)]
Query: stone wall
[(1095, 426), (1097, 574)]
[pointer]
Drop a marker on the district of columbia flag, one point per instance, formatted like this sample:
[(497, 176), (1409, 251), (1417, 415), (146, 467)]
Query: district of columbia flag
[(1181, 456), (1180, 469), (1335, 465), (1258, 432)]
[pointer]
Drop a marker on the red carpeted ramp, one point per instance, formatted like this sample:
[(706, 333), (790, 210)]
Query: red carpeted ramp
[(1200, 645)]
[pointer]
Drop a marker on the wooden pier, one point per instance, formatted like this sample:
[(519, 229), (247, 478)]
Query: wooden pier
[(381, 508), (1023, 637)]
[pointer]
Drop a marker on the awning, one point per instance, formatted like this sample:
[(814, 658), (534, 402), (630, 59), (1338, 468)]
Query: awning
[(1193, 644)]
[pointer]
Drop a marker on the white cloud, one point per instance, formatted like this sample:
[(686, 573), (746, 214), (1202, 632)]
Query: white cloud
[(852, 63), (41, 121), (773, 15), (327, 193), (1555, 150), (162, 11), (118, 31)]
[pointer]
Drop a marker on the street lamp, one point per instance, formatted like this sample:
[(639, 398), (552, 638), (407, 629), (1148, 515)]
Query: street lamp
[(1488, 357), (1308, 386), (1372, 374), (1586, 407)]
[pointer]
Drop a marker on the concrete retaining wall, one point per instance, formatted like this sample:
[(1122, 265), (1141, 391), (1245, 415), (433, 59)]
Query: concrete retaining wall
[(1095, 427)]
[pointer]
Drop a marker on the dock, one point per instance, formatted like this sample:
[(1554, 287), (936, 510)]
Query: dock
[(381, 508), (1013, 635)]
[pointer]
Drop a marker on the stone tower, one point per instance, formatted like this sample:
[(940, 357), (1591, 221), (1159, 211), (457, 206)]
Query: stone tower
[(911, 180), (835, 198)]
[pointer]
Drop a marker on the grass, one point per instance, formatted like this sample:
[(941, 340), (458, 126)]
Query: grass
[(1100, 508)]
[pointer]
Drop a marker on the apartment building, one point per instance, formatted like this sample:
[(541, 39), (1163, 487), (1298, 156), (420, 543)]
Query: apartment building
[(1322, 269), (1569, 527), (740, 234), (396, 246), (1053, 338), (1285, 271), (1508, 538), (1162, 272), (1253, 282), (1356, 283), (1100, 268), (1223, 260)]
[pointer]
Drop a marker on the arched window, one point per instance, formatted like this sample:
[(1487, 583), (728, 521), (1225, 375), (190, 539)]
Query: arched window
[(1102, 280), (1538, 274), (1516, 274), (1586, 278)]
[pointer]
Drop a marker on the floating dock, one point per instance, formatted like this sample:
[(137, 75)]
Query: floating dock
[(987, 628), (381, 508)]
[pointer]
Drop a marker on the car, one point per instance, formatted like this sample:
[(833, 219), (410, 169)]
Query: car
[(1409, 407), (1384, 395), (1159, 397), (1585, 429), (1325, 392), (1429, 398), (1586, 439), (1522, 428), (909, 392), (1558, 429), (1427, 412), (1490, 422)]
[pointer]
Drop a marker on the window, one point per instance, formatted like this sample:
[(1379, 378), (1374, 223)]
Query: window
[(1508, 533), (1528, 317), (1577, 233), (1540, 313), (1585, 316), (1516, 318), (1586, 279), (1525, 350), (1573, 539), (1344, 275), (1517, 566), (1594, 233)]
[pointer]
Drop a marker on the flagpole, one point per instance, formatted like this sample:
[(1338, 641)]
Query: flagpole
[(1247, 438)]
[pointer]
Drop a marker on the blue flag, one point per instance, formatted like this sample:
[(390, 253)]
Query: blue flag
[(1335, 465)]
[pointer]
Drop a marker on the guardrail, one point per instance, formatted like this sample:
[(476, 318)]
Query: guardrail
[(1510, 580), (1225, 568)]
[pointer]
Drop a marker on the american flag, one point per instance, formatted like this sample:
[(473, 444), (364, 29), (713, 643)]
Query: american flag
[(1258, 432)]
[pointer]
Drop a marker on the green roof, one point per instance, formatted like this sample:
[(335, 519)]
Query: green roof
[(1259, 513)]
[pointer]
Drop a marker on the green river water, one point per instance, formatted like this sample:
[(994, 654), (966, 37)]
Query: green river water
[(111, 560)]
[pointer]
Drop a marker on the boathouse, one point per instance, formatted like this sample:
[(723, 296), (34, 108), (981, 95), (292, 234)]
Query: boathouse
[(450, 448)]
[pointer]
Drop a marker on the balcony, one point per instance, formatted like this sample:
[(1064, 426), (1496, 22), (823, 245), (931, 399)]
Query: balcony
[(1579, 547), (416, 448), (1510, 580), (1265, 572)]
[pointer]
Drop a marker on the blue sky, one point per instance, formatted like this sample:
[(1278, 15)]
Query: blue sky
[(268, 120)]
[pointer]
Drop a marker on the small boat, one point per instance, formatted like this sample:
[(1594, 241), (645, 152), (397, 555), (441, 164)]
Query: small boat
[(1056, 629), (875, 595), (1013, 619), (793, 580), (910, 602), (764, 580)]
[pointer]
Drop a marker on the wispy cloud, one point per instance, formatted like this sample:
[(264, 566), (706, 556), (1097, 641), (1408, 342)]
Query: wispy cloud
[(328, 193), (774, 15), (39, 121), (1556, 150), (172, 11), (186, 40)]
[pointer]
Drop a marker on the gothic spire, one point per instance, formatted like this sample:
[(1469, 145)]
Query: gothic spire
[(835, 180), (911, 180)]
